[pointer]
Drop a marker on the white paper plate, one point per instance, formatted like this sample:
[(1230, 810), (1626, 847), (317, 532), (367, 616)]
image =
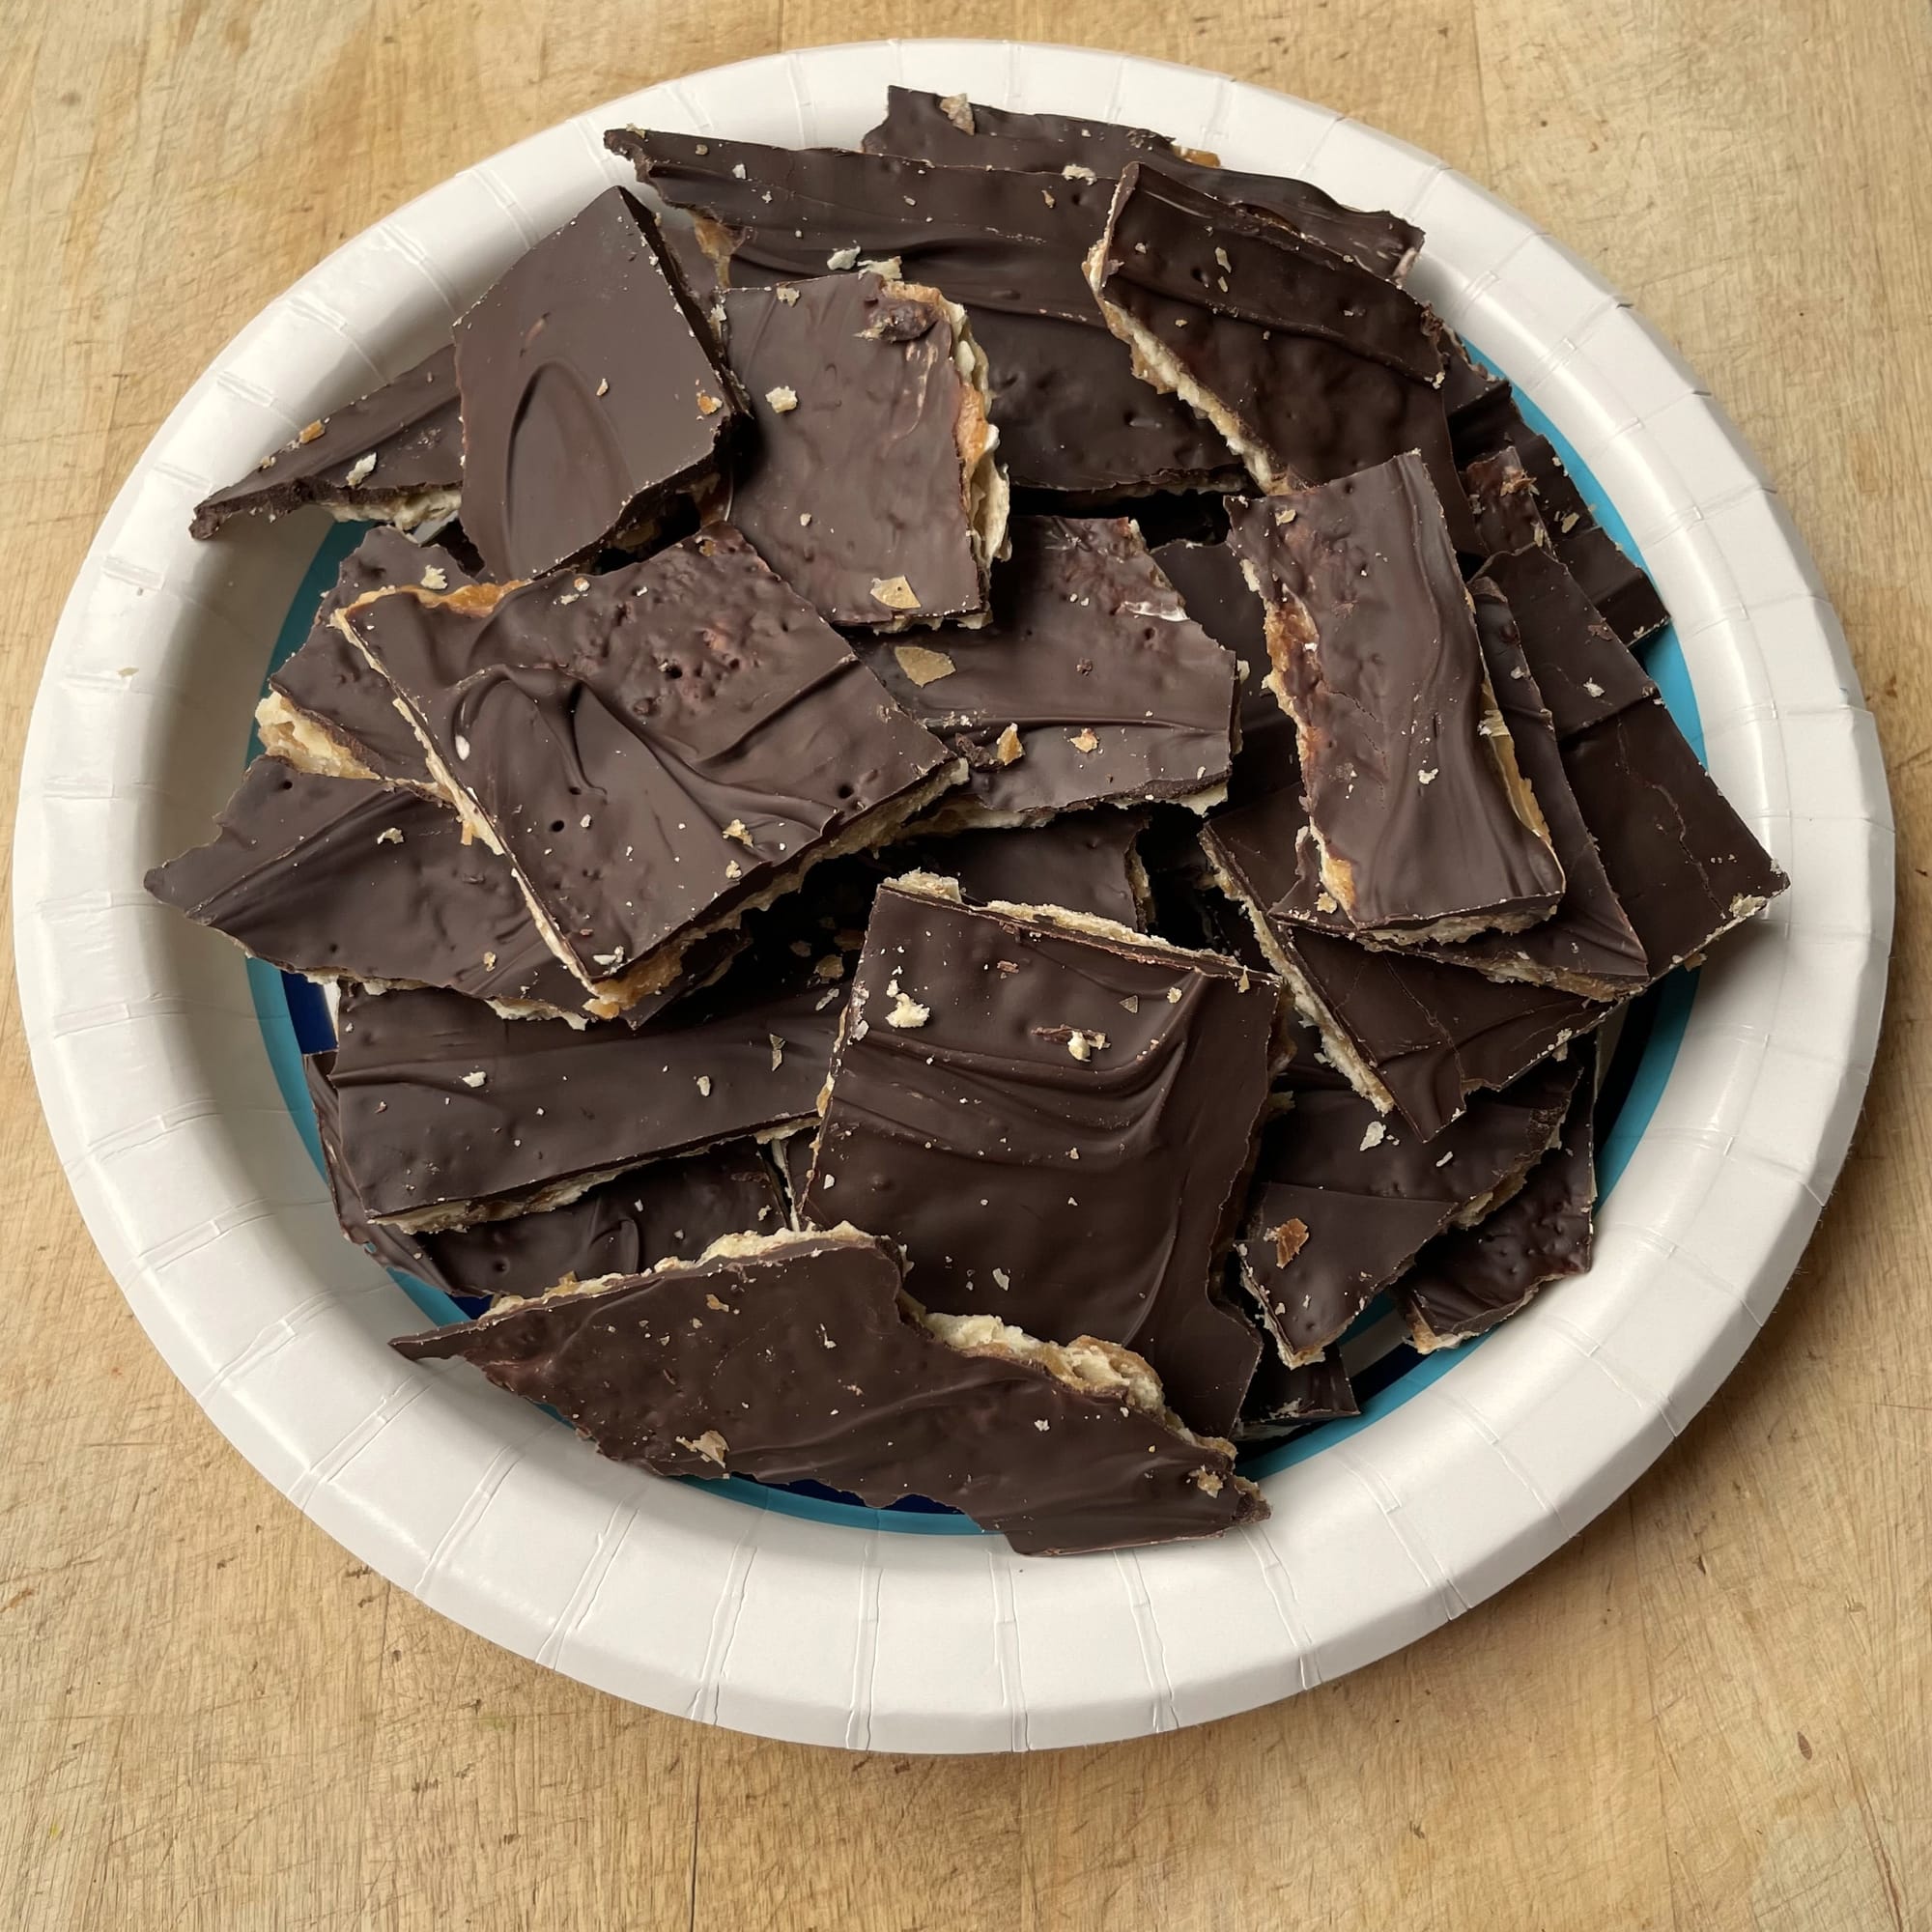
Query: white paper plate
[(193, 1176)]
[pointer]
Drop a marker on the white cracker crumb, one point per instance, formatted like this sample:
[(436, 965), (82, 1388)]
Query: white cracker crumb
[(390, 835), (786, 294), (1428, 777), (907, 1012), (1132, 1003), (704, 1085), (358, 470), (435, 577), (826, 1183), (710, 1445), (777, 1050), (737, 170), (842, 259), (603, 385), (732, 869), (1084, 742), (478, 1078), (1595, 689), (1001, 1276), (462, 746), (1373, 1136), (736, 830), (803, 518), (1174, 996), (782, 399), (1221, 259), (1041, 1422), (1007, 748), (895, 594), (1075, 172)]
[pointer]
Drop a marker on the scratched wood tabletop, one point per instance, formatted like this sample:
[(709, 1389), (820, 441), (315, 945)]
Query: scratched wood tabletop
[(1713, 1709)]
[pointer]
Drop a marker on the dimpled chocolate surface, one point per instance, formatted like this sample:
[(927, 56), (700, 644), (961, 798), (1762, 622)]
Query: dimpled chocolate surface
[(344, 878), (1376, 655), (1072, 414), (1468, 1279), (1321, 368), (1082, 860), (328, 680), (1219, 600), (1366, 1195), (1115, 694), (1429, 1035), (924, 127), (409, 427), (450, 1115), (805, 1361), (855, 478), (1031, 1172), (653, 747), (592, 390)]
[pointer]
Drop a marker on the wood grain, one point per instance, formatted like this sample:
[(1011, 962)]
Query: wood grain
[(1709, 1711)]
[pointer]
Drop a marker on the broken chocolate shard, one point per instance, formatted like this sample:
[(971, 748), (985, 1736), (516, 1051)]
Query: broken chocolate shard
[(1410, 1033), (1587, 946), (1365, 1196), (394, 455), (669, 1209), (1072, 414), (326, 710), (956, 132), (1080, 862), (1089, 685), (1612, 581), (1060, 1140), (1219, 599), (1423, 824), (657, 750), (1470, 1278), (1584, 673), (1281, 1401), (799, 1357), (593, 392), (348, 880), (1502, 499), (880, 386), (451, 1115), (1311, 367)]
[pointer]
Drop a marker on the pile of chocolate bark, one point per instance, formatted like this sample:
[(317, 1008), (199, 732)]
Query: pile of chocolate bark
[(965, 794)]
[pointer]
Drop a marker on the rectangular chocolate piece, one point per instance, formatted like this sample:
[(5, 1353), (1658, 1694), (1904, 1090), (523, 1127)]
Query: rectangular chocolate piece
[(799, 1357), (1424, 826), (1502, 499), (593, 391), (1072, 416), (326, 710), (1081, 862), (1311, 367), (657, 750), (1619, 589), (956, 132), (1342, 1201), (1282, 1401), (1053, 1117), (1410, 1033), (1090, 686), (394, 455), (1221, 601), (1468, 1279), (1587, 946), (670, 1210), (871, 487), (348, 880), (452, 1116)]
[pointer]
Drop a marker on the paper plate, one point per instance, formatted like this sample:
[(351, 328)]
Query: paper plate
[(158, 1060)]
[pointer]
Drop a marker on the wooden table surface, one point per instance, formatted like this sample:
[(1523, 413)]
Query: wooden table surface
[(1710, 1710)]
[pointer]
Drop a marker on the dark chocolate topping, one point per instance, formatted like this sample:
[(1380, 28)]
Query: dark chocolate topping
[(669, 1209), (343, 878), (1468, 1279), (1053, 1123), (855, 380), (1219, 600), (1587, 944), (1466, 383), (1084, 861), (1421, 1035), (1683, 863), (655, 747), (1282, 1399), (450, 1115), (801, 1360), (410, 429), (1619, 589), (592, 390), (1283, 377), (1582, 671), (1359, 1196), (1502, 497), (1407, 772), (330, 683), (959, 133), (1113, 691), (1072, 414)]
